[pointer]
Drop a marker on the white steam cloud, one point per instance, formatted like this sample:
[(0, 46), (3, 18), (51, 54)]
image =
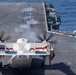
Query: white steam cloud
[(29, 9), (25, 28), (27, 17), (32, 21)]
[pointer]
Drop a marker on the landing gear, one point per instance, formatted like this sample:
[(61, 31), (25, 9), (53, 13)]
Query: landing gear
[(44, 60), (51, 56), (42, 64), (0, 64), (38, 63)]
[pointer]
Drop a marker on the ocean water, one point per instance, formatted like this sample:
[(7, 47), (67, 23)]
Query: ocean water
[(65, 8)]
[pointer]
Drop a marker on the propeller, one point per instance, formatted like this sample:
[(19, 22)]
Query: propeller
[(45, 36), (3, 38)]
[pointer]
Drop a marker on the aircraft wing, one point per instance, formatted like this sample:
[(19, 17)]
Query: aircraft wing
[(24, 49)]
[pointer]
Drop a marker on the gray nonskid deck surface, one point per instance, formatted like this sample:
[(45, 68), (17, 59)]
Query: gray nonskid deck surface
[(11, 20), (65, 49)]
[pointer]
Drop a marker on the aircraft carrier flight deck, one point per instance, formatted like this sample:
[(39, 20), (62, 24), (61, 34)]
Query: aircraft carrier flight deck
[(27, 20)]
